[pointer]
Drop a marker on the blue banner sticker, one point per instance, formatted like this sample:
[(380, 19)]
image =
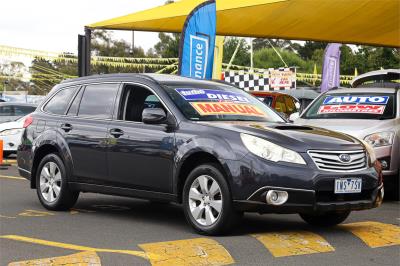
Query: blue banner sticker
[(356, 100), (212, 95)]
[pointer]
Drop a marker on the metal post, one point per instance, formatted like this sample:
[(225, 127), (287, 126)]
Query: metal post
[(133, 43), (87, 56), (81, 56)]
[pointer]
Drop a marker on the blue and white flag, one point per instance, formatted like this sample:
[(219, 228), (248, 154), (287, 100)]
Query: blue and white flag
[(196, 53)]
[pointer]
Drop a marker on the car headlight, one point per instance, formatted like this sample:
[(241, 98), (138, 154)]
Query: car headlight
[(270, 151), (370, 151), (380, 139), (9, 132)]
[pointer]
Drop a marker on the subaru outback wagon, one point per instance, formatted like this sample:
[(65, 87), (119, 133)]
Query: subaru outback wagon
[(209, 146)]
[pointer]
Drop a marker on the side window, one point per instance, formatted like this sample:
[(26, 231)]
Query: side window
[(280, 104), (98, 100), (58, 104), (134, 100), (6, 110), (73, 109), (291, 108), (23, 110)]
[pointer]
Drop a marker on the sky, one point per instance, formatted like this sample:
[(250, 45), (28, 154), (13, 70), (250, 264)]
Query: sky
[(54, 25)]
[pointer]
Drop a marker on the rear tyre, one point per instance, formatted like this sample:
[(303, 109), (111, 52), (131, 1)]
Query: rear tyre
[(51, 184), (325, 219), (207, 201)]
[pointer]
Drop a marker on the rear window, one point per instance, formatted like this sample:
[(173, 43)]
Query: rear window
[(58, 104), (98, 101), (6, 110), (353, 106), (23, 110)]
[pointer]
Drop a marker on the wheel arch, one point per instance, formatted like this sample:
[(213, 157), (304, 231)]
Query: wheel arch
[(193, 160), (44, 149)]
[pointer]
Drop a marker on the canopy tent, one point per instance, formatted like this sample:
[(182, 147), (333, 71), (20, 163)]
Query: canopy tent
[(374, 22)]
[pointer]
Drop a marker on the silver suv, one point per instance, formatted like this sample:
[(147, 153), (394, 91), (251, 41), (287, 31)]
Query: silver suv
[(371, 114)]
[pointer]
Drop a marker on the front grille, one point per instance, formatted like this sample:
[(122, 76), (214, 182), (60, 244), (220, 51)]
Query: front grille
[(334, 160)]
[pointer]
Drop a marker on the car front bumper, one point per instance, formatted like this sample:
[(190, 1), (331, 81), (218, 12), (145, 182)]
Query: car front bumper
[(391, 157), (309, 189), (11, 142), (307, 201)]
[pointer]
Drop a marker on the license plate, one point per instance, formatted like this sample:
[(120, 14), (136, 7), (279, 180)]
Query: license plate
[(348, 185)]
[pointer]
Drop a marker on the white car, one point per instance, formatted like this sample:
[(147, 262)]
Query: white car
[(10, 133)]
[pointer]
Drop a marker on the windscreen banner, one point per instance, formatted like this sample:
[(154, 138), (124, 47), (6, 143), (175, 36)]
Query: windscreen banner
[(196, 51), (331, 67)]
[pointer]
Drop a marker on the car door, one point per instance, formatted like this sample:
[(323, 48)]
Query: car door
[(140, 155), (85, 131)]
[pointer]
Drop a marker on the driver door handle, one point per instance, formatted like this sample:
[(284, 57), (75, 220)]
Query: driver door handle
[(66, 127), (116, 132)]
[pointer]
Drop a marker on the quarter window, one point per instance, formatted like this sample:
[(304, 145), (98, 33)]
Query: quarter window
[(58, 104), (98, 100)]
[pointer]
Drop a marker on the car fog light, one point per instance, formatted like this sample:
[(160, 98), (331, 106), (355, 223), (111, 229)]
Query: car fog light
[(384, 164), (276, 197)]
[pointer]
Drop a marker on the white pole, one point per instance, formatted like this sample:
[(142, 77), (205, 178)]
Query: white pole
[(251, 54)]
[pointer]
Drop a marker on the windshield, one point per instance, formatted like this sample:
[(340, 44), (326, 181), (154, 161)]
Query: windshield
[(218, 102), (353, 106), (266, 99)]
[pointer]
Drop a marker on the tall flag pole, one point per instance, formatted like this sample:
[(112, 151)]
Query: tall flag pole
[(331, 68), (196, 51)]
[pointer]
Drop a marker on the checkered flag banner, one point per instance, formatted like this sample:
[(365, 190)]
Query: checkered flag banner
[(263, 80)]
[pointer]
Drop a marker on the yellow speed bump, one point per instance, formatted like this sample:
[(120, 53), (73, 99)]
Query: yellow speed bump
[(82, 259), (198, 251), (375, 234), (284, 244)]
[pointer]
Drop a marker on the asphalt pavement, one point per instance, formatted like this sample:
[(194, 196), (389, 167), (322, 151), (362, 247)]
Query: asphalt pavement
[(108, 230)]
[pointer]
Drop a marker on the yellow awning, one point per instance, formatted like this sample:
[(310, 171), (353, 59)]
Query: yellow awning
[(375, 22)]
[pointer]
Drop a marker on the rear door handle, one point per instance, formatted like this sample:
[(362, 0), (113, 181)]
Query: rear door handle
[(116, 132), (66, 127)]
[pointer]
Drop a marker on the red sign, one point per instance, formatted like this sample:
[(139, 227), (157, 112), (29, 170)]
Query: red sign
[(352, 108)]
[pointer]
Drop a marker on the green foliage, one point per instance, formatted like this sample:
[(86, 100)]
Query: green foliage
[(242, 57), (268, 58), (168, 46)]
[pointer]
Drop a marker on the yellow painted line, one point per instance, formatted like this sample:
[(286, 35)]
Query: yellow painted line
[(11, 161), (284, 244), (7, 217), (87, 258), (12, 177), (198, 251), (375, 234), (74, 247), (34, 213)]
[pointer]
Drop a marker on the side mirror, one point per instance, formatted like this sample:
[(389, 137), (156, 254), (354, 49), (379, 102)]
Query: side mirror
[(153, 116), (294, 116)]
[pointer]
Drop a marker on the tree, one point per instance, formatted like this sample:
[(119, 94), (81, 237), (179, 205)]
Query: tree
[(268, 58), (168, 46), (242, 57), (306, 50), (260, 43)]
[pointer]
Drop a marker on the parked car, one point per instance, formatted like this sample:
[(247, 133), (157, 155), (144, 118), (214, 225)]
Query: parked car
[(281, 102), (305, 95), (11, 133), (370, 114), (13, 111), (210, 146)]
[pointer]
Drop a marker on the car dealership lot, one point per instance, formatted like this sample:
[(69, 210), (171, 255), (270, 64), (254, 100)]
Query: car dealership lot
[(105, 230)]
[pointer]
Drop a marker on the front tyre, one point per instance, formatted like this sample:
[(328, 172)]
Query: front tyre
[(207, 201), (325, 219), (51, 184)]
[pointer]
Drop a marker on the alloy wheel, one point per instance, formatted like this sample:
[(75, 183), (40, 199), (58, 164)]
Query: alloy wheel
[(50, 182), (205, 200)]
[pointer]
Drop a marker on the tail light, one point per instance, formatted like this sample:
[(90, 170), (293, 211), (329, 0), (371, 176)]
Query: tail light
[(28, 121)]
